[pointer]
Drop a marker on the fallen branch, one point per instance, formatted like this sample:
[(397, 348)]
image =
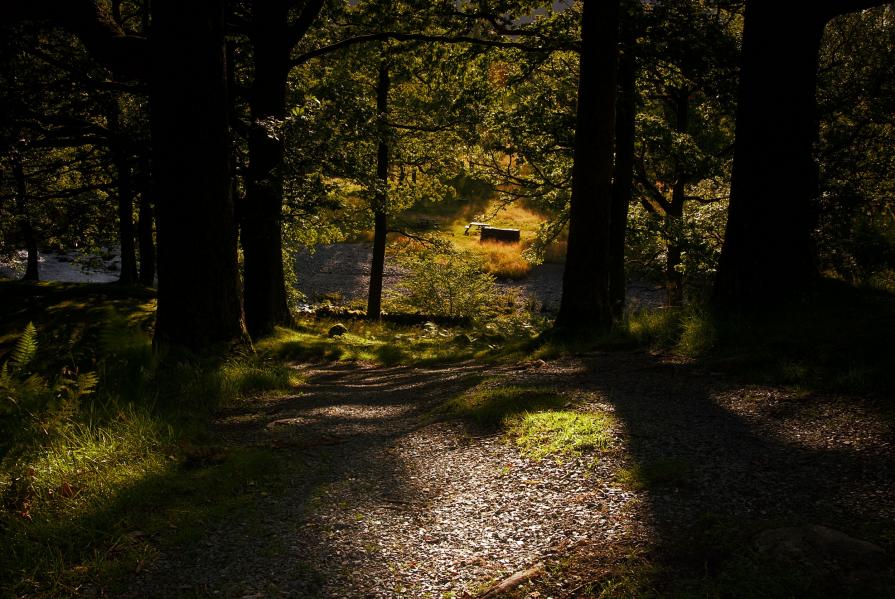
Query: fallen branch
[(510, 583)]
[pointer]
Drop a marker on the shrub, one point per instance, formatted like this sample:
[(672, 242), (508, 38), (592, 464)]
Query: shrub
[(444, 281)]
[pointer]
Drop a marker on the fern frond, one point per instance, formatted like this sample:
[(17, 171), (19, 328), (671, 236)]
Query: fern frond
[(25, 349), (86, 383)]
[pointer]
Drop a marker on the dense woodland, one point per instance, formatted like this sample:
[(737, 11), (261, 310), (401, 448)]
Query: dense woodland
[(738, 153)]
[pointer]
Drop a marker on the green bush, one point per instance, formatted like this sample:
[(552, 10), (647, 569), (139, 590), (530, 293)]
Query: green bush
[(446, 282), (27, 396)]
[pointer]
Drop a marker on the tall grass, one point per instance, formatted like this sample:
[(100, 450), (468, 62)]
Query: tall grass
[(77, 476), (505, 260)]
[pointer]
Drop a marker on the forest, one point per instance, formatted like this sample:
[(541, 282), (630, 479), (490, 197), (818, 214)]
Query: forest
[(454, 298)]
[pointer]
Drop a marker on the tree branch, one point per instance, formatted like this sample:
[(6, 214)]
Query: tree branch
[(414, 37), (834, 8), (305, 19), (125, 55)]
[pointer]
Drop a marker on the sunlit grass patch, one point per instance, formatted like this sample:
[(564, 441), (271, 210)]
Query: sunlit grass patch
[(666, 472), (563, 432), (505, 260), (85, 463), (490, 407), (374, 342), (117, 516)]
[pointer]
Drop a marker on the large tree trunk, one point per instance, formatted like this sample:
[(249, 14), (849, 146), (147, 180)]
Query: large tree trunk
[(674, 216), (145, 240), (768, 252), (199, 304), (25, 226), (586, 306), (623, 174), (380, 219), (266, 302)]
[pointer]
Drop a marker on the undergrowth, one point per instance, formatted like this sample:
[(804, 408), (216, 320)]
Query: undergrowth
[(99, 446), (835, 339), (391, 344)]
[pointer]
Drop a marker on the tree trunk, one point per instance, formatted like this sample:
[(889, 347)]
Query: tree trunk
[(144, 237), (586, 306), (199, 304), (124, 180), (623, 175), (380, 224), (266, 302), (25, 226), (128, 274), (674, 217), (768, 252)]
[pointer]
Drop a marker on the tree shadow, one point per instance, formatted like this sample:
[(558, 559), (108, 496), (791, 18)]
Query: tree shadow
[(714, 463), (329, 450)]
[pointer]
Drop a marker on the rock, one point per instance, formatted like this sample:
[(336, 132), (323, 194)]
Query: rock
[(337, 330), (819, 548)]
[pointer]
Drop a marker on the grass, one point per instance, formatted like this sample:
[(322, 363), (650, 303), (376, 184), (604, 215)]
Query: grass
[(663, 473), (837, 339), (94, 483), (381, 343), (557, 433), (490, 407), (505, 260), (539, 421)]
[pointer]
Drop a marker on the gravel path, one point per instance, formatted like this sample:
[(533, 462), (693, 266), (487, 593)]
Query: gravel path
[(384, 502), (62, 266), (342, 271)]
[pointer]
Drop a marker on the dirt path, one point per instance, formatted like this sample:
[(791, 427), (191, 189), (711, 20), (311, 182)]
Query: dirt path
[(381, 501)]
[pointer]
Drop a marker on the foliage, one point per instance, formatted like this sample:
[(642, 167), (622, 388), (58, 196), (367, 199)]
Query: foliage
[(857, 154), (89, 454), (60, 123), (27, 396), (699, 236), (444, 281)]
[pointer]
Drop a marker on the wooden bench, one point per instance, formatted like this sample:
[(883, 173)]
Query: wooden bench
[(500, 235)]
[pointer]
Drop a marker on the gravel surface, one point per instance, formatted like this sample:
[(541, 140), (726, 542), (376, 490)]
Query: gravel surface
[(342, 271), (61, 266), (385, 502)]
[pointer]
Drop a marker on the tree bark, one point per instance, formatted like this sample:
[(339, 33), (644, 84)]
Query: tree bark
[(124, 180), (25, 226), (768, 252), (266, 302), (144, 238), (128, 274), (199, 303), (674, 216), (380, 218), (586, 306), (623, 174)]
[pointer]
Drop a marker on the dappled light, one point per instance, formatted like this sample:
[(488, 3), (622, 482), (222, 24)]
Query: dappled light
[(450, 300)]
